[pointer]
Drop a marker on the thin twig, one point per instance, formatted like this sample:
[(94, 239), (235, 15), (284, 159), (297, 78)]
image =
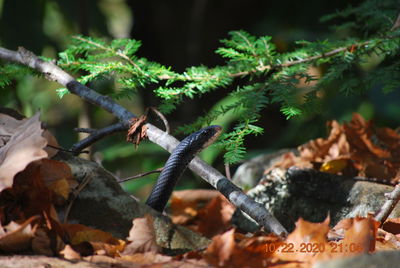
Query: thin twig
[(84, 130), (387, 208), (162, 117), (158, 170), (75, 194), (228, 171), (65, 150), (52, 72), (97, 135), (396, 24)]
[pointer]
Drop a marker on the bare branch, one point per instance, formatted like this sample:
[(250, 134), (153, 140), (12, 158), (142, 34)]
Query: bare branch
[(158, 170), (255, 210), (387, 208), (162, 117), (97, 135), (84, 130)]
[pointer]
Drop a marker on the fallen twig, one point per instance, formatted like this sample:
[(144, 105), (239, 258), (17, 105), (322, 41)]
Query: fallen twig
[(75, 194), (387, 208), (158, 170)]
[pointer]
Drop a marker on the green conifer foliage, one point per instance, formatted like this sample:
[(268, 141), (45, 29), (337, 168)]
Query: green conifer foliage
[(270, 77)]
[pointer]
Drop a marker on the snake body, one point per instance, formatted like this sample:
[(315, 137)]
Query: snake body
[(178, 162)]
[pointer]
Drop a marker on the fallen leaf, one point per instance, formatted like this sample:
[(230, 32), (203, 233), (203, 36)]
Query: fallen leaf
[(25, 146), (215, 217), (221, 249), (361, 236), (235, 250), (16, 237), (146, 258), (307, 243), (186, 204), (334, 166), (79, 233), (52, 143), (57, 176), (392, 225), (142, 236)]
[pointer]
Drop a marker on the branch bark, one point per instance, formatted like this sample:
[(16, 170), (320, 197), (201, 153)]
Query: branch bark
[(97, 135), (387, 208), (52, 72)]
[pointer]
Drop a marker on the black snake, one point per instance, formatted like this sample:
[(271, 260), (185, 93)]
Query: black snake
[(177, 163)]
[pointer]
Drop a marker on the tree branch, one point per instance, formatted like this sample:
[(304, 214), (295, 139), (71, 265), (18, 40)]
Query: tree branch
[(387, 208), (97, 135), (255, 210)]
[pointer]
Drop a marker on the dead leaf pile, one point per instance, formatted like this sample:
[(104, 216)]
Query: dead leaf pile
[(32, 186), (356, 148)]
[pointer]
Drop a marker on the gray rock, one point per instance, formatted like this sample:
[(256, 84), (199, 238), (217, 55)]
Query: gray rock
[(312, 195), (104, 205), (249, 173)]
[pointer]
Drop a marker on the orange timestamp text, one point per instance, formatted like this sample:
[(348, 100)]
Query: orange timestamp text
[(314, 247)]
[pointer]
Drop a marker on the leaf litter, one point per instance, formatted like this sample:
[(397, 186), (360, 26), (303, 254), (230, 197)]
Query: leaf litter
[(32, 185)]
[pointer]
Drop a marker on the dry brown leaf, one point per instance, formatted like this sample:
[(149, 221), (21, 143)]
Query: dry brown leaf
[(142, 236), (138, 130), (79, 233), (57, 176), (52, 143), (392, 225), (356, 148), (25, 146), (146, 258), (17, 237), (307, 243), (215, 217), (221, 249), (185, 204), (387, 241), (29, 186), (317, 150), (361, 236), (236, 250)]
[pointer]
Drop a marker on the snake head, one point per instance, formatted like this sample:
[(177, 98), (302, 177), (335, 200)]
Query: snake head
[(202, 138)]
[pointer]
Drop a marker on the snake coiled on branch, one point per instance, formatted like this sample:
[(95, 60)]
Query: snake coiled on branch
[(178, 162)]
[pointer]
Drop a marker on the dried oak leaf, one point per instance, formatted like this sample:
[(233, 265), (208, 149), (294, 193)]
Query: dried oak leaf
[(138, 130), (306, 234), (235, 250), (45, 243), (142, 236), (35, 198), (185, 204), (86, 240), (17, 237), (24, 146), (361, 235), (392, 225), (57, 176), (149, 258), (215, 217), (317, 150)]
